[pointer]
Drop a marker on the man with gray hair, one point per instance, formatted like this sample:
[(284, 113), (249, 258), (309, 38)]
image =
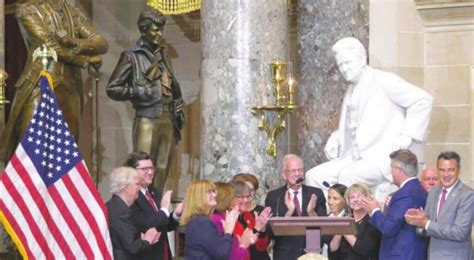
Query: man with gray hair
[(292, 200), (399, 239), (380, 113), (127, 242)]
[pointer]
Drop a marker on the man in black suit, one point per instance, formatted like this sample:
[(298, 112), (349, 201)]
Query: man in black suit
[(293, 199), (151, 209), (127, 241)]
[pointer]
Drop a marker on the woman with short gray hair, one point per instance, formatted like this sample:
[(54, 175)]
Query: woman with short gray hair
[(127, 242)]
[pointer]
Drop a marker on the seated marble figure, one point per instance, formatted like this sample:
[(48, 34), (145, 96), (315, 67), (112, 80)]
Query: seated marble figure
[(381, 112)]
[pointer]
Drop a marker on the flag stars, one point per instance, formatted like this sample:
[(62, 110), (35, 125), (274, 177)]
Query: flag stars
[(50, 165), (75, 154), (50, 175), (43, 163), (30, 139), (37, 151), (38, 142)]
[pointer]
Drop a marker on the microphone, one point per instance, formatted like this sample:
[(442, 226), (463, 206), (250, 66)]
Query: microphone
[(326, 184), (298, 181)]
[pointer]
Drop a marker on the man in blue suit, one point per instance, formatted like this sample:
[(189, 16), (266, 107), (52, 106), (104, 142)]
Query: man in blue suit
[(399, 239)]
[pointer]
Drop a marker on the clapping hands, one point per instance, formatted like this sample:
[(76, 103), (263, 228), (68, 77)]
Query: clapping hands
[(151, 235), (230, 218), (262, 219)]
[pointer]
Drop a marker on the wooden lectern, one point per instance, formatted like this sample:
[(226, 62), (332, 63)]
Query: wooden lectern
[(313, 228)]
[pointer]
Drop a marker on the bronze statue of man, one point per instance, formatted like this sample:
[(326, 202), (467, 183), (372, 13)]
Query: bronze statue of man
[(144, 76), (65, 29)]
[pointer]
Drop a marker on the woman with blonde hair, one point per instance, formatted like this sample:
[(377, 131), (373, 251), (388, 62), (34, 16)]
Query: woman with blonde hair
[(364, 245), (202, 239)]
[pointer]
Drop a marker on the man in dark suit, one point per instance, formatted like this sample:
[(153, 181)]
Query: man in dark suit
[(151, 209), (449, 213), (293, 199), (399, 239), (127, 241)]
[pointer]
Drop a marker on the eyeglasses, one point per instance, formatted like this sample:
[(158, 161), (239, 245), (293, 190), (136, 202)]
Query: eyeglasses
[(243, 196), (147, 169), (293, 171)]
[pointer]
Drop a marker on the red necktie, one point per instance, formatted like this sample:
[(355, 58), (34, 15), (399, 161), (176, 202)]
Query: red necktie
[(297, 203), (442, 200), (150, 200), (165, 241)]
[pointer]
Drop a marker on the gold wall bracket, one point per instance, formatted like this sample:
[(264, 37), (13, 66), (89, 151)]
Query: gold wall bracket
[(280, 123), (285, 102), (3, 85)]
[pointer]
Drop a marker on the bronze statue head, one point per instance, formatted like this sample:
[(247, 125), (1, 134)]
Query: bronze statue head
[(148, 17)]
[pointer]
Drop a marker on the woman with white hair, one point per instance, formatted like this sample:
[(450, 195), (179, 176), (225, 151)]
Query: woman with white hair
[(127, 242)]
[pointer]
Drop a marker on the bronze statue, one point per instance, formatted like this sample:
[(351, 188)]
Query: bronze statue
[(65, 29), (144, 76)]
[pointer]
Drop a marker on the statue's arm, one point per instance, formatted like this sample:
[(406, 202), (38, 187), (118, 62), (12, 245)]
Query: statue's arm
[(34, 32), (88, 41), (417, 103), (120, 87)]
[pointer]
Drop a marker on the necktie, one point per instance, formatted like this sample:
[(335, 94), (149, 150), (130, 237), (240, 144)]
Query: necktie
[(297, 203), (442, 200), (164, 234), (150, 200)]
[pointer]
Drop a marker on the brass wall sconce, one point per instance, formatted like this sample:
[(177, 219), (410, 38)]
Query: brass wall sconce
[(3, 85), (285, 103)]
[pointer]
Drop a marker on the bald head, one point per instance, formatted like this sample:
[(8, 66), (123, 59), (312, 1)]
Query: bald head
[(429, 178)]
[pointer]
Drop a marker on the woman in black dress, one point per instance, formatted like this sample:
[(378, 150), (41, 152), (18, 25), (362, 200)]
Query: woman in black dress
[(364, 245)]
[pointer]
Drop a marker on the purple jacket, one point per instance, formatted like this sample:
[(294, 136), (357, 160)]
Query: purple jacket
[(237, 252)]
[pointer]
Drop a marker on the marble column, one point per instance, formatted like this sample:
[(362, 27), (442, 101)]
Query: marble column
[(322, 88), (239, 39)]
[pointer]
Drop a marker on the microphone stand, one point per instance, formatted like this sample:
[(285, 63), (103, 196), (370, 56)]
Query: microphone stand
[(298, 181)]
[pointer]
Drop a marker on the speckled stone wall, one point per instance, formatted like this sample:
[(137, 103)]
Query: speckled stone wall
[(239, 39), (321, 24)]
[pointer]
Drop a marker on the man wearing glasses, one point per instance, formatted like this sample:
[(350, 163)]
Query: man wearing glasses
[(152, 209), (293, 199)]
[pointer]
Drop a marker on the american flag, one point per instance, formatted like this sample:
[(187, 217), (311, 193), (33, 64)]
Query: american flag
[(48, 202)]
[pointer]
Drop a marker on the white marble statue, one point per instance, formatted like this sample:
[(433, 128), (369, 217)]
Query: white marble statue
[(381, 113)]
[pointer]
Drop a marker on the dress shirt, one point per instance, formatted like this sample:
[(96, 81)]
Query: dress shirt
[(448, 190)]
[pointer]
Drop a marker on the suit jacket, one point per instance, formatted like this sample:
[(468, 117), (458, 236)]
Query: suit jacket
[(291, 247), (450, 231), (125, 237), (388, 106), (399, 239), (203, 242), (145, 218)]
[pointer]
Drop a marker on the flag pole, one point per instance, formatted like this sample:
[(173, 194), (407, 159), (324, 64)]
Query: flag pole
[(95, 73)]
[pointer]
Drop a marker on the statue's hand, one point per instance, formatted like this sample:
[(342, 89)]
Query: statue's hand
[(333, 147), (95, 62), (402, 142), (64, 40)]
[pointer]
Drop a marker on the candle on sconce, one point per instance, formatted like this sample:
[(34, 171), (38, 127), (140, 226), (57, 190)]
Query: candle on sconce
[(291, 83)]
